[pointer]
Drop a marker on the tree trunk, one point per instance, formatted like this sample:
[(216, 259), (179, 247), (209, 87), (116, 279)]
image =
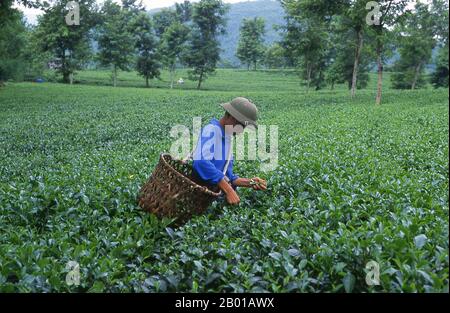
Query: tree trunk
[(172, 75), (64, 69), (65, 76), (146, 81), (71, 78), (115, 76), (255, 65), (356, 64), (380, 73), (308, 82), (248, 66), (200, 80), (416, 76)]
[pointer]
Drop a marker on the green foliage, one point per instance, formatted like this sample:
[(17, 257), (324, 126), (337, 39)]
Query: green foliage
[(306, 43), (439, 77), (341, 67), (173, 42), (7, 11), (173, 45), (439, 9), (35, 60), (310, 39), (251, 42), (354, 26), (390, 14), (13, 37), (416, 43), (355, 183), (115, 42), (224, 79), (163, 19), (133, 6), (184, 11), (271, 11), (405, 72), (148, 59), (203, 50), (275, 57), (68, 44), (173, 30)]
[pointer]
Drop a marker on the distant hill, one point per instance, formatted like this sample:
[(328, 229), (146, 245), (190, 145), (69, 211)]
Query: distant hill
[(270, 10)]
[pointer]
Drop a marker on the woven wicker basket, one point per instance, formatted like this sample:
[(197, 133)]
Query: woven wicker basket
[(173, 191)]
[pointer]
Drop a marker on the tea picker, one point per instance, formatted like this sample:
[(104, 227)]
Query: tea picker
[(182, 188)]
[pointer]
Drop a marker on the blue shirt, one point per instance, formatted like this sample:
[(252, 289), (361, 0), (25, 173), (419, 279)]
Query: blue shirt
[(210, 155)]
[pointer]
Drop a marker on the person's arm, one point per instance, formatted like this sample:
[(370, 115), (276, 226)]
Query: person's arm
[(230, 174), (202, 162), (230, 194), (256, 183), (208, 172)]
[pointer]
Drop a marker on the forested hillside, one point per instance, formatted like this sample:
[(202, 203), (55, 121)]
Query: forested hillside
[(270, 10)]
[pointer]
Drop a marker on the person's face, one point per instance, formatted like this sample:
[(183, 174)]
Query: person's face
[(236, 127)]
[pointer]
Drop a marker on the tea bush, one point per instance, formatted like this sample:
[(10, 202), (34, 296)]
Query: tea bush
[(355, 183)]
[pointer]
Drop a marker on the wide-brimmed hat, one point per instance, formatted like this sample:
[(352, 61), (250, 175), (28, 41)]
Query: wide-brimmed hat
[(242, 110)]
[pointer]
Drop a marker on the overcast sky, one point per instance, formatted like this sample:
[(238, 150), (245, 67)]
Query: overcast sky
[(31, 14)]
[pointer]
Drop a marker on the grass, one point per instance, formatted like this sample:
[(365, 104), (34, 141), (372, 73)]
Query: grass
[(355, 183), (223, 80)]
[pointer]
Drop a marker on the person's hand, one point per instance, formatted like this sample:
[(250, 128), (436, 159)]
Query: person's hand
[(230, 195), (258, 183), (232, 198)]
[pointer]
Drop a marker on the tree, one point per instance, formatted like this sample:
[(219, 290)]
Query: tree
[(342, 67), (115, 43), (408, 70), (174, 35), (13, 38), (251, 42), (172, 46), (130, 10), (354, 20), (416, 42), (305, 43), (389, 14), (163, 19), (184, 11), (439, 78), (7, 11), (439, 10), (203, 50), (351, 17), (351, 59), (274, 56), (333, 74), (35, 60), (134, 6), (148, 60), (69, 44)]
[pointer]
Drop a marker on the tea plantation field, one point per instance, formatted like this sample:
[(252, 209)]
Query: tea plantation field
[(355, 183)]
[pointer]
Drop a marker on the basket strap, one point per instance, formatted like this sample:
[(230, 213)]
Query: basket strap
[(230, 152)]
